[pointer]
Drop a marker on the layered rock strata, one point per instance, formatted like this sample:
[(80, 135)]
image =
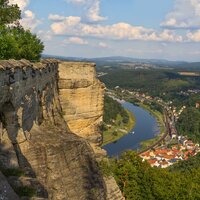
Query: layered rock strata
[(82, 97), (36, 132)]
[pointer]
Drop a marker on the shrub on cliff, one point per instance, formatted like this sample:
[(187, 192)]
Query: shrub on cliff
[(8, 13), (15, 41)]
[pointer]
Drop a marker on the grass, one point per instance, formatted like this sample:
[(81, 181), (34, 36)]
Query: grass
[(118, 129)]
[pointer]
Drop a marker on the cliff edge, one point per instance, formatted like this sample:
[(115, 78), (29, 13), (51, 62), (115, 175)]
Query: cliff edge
[(45, 129), (82, 99)]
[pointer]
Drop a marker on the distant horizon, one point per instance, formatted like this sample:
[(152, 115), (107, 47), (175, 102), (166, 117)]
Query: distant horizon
[(128, 57), (167, 30)]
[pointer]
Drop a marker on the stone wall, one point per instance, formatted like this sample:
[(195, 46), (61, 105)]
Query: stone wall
[(28, 94)]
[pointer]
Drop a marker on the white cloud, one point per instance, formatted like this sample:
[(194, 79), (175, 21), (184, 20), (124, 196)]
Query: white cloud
[(56, 17), (194, 36), (91, 10), (75, 40), (121, 31), (29, 20), (21, 3), (77, 1), (185, 14), (45, 35), (103, 45)]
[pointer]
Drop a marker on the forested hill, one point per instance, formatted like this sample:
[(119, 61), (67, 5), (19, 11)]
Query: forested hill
[(189, 121), (138, 180)]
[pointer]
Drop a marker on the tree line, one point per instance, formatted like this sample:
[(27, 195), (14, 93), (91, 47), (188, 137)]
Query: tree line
[(138, 180)]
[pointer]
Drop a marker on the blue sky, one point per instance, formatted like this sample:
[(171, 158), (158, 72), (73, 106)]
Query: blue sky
[(166, 29)]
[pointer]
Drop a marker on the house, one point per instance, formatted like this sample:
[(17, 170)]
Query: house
[(168, 157), (153, 162), (173, 136), (146, 155), (164, 164)]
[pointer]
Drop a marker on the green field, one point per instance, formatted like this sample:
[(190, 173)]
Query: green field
[(118, 129)]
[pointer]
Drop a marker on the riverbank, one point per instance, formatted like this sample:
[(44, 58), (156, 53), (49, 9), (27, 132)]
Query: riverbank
[(160, 120), (117, 130)]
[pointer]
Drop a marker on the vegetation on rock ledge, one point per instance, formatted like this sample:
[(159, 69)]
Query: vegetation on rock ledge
[(117, 121)]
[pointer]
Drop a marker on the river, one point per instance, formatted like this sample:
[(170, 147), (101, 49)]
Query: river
[(146, 128)]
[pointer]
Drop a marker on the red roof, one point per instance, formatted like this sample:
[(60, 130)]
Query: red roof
[(161, 151), (169, 157), (176, 151), (152, 161), (164, 163), (146, 154)]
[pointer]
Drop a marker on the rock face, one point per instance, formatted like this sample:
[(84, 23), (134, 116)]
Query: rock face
[(36, 132), (82, 97), (6, 192)]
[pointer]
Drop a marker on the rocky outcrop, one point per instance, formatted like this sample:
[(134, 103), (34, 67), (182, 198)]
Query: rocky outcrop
[(82, 99), (36, 132), (6, 191), (81, 96)]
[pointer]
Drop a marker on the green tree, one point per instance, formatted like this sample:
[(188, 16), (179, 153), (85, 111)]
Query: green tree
[(8, 13), (138, 180), (15, 41)]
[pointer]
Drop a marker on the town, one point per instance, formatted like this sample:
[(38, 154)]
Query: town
[(171, 147), (164, 156)]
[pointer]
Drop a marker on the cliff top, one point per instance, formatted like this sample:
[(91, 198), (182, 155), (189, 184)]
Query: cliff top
[(11, 64), (78, 63)]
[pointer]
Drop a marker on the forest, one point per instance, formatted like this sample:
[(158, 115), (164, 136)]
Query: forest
[(168, 85), (138, 180), (111, 109), (156, 82), (116, 121), (189, 121)]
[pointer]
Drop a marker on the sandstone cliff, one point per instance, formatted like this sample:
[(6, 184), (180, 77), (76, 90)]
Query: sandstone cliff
[(36, 131), (82, 96)]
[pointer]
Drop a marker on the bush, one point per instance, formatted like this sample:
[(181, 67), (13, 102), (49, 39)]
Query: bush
[(17, 43), (12, 172), (105, 168), (25, 191)]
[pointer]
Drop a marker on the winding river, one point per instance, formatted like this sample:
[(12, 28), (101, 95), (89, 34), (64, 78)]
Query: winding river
[(146, 128)]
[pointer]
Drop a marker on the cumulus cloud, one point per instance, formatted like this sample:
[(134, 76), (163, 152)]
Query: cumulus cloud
[(45, 35), (29, 20), (21, 3), (56, 17), (91, 10), (75, 40), (103, 45), (121, 31), (77, 1), (194, 36), (185, 14)]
